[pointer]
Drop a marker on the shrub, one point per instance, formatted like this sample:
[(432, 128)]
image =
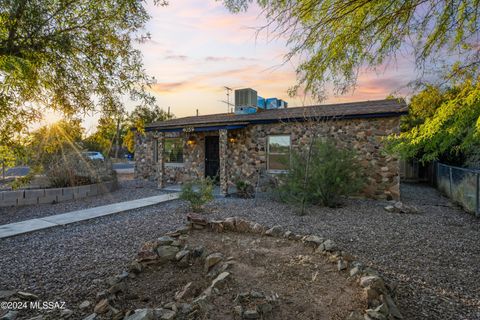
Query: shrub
[(244, 189), (320, 177), (72, 169), (197, 193)]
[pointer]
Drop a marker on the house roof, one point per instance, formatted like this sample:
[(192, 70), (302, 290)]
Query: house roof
[(363, 109)]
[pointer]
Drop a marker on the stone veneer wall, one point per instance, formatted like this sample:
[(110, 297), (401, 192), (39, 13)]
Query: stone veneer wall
[(193, 155), (246, 156)]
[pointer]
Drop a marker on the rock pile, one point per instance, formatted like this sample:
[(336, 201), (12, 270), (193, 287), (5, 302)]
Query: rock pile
[(190, 303), (400, 207)]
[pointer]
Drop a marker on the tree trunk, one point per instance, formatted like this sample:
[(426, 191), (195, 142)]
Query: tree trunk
[(305, 178), (117, 138)]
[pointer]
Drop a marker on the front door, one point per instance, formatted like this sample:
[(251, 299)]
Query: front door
[(212, 157)]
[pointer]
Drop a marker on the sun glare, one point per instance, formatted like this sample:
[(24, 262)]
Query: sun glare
[(50, 117)]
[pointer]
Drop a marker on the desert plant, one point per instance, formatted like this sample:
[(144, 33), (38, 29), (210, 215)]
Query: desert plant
[(321, 175), (72, 169), (197, 193), (244, 189)]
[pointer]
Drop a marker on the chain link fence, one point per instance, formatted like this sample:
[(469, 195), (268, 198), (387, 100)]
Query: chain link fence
[(460, 185)]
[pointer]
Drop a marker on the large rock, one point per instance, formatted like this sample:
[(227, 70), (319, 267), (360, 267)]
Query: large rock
[(101, 307), (251, 314), (400, 207), (313, 240), (220, 279), (216, 226), (167, 253), (85, 305), (373, 282), (164, 314), (66, 313), (392, 307), (136, 267), (181, 254), (275, 231), (242, 226), (229, 224), (341, 265), (93, 316), (257, 228), (10, 315), (197, 219), (327, 245), (147, 252), (142, 314), (165, 240), (27, 296), (375, 315), (212, 259)]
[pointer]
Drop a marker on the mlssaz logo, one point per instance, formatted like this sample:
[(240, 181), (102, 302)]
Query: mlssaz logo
[(47, 305)]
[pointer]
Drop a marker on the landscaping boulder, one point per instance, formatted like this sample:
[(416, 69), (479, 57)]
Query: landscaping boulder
[(276, 231), (10, 315), (167, 253), (197, 219), (313, 240), (165, 240), (327, 245), (142, 314), (212, 260), (102, 306)]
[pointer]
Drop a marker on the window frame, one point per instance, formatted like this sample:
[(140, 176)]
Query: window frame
[(173, 164), (276, 153)]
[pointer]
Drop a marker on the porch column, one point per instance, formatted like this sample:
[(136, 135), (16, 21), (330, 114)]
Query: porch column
[(160, 161), (223, 142)]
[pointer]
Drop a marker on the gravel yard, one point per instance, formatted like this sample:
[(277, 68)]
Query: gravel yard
[(434, 257), (128, 190)]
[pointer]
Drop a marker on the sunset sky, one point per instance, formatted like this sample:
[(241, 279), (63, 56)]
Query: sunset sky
[(197, 47)]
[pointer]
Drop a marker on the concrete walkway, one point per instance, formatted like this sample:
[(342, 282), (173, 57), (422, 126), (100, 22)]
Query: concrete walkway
[(12, 229)]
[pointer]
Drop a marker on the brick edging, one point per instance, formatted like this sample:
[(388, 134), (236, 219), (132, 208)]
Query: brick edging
[(54, 195)]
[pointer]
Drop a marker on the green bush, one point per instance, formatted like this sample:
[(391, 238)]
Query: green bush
[(197, 193), (244, 189), (322, 176)]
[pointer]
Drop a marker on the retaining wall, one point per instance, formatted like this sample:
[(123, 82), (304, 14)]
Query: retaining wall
[(54, 195)]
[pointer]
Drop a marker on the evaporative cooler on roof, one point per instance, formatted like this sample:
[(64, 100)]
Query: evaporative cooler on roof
[(245, 101)]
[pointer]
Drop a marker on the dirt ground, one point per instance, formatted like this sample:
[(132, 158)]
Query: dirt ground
[(307, 286)]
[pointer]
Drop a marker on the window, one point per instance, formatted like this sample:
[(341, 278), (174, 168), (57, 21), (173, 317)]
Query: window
[(278, 153), (173, 150)]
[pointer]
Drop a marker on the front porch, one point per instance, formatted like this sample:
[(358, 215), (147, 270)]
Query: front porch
[(192, 153)]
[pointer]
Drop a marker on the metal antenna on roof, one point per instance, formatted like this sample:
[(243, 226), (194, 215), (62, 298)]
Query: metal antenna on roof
[(228, 99)]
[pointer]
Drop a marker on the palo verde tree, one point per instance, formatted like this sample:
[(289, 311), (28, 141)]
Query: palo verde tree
[(444, 125), (68, 55), (335, 38)]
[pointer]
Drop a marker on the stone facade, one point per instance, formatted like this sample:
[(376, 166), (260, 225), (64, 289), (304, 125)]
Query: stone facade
[(243, 152)]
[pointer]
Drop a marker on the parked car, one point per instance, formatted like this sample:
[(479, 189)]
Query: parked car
[(94, 155)]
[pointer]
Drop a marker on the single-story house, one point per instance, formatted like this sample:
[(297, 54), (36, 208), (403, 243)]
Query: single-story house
[(236, 147)]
